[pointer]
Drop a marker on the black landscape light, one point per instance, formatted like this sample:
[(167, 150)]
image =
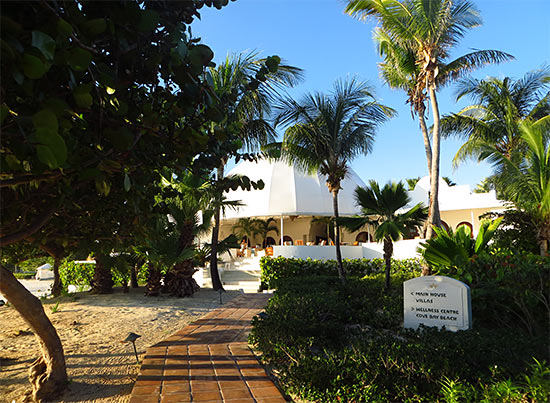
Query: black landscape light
[(131, 338)]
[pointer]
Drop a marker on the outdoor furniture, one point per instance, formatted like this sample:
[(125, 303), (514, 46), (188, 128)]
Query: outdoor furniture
[(299, 242), (310, 243), (287, 243), (269, 251)]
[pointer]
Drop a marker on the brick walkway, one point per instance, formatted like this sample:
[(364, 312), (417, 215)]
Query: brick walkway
[(208, 361)]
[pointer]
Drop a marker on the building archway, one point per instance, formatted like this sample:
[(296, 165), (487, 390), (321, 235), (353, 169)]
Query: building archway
[(269, 241), (467, 224), (445, 226), (286, 238), (363, 236)]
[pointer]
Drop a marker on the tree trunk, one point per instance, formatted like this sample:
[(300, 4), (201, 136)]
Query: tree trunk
[(133, 275), (154, 276), (341, 272), (179, 282), (388, 252), (433, 212), (214, 274), (102, 282), (57, 286), (427, 145), (47, 374), (428, 148)]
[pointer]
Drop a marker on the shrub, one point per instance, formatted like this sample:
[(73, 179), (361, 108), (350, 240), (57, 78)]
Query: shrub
[(275, 269), (333, 342), (508, 290), (78, 274)]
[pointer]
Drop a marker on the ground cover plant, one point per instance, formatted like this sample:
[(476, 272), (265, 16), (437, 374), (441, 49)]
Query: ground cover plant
[(345, 342)]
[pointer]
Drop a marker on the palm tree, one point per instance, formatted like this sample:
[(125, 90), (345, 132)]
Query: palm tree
[(383, 208), (246, 104), (428, 30), (525, 181), (328, 132), (160, 247), (264, 227), (491, 124), (246, 227)]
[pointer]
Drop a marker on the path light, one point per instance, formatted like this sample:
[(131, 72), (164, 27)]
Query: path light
[(131, 338)]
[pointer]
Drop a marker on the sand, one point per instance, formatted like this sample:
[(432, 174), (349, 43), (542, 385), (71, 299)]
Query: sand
[(100, 367)]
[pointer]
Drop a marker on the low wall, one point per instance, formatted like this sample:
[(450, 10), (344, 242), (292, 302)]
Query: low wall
[(317, 252), (405, 249)]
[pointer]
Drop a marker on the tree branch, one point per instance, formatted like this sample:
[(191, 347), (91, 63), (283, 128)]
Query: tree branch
[(31, 229)]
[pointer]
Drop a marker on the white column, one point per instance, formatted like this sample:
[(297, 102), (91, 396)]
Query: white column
[(282, 230)]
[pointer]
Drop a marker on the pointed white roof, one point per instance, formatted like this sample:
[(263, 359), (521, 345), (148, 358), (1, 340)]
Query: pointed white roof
[(289, 191)]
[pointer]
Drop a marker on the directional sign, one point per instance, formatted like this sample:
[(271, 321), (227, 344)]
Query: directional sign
[(436, 301)]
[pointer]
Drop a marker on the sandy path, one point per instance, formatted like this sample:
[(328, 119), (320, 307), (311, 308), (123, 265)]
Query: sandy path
[(100, 368)]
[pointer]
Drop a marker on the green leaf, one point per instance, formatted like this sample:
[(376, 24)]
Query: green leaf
[(32, 66), (200, 55), (56, 144), (182, 50), (79, 59), (46, 156), (45, 119), (83, 100), (95, 26), (149, 20), (44, 43), (127, 183), (64, 28), (103, 186)]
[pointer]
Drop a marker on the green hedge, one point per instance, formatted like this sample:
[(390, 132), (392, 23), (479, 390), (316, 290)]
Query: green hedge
[(81, 274), (78, 274), (275, 269), (345, 342)]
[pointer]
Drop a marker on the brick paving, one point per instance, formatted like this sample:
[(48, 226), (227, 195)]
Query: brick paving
[(208, 361)]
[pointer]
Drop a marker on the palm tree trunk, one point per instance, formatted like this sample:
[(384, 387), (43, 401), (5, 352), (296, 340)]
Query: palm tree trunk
[(214, 274), (57, 285), (133, 275), (433, 212), (102, 282), (427, 145), (341, 272), (428, 148), (48, 374), (388, 252)]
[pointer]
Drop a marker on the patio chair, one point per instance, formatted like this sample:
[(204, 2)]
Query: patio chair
[(299, 242)]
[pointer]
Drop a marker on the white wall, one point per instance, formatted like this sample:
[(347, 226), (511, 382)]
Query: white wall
[(404, 249), (318, 252)]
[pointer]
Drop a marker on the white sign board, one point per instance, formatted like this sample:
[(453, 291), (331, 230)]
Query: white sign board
[(437, 301)]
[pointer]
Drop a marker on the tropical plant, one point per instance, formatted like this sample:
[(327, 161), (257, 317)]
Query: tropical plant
[(264, 227), (246, 86), (491, 125), (453, 249), (384, 209), (416, 37), (412, 182), (161, 248), (328, 132), (246, 227), (525, 181)]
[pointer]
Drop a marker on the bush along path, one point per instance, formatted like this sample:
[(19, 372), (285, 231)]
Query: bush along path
[(331, 342), (208, 360)]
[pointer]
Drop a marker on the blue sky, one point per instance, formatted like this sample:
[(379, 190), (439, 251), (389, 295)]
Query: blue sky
[(318, 37)]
